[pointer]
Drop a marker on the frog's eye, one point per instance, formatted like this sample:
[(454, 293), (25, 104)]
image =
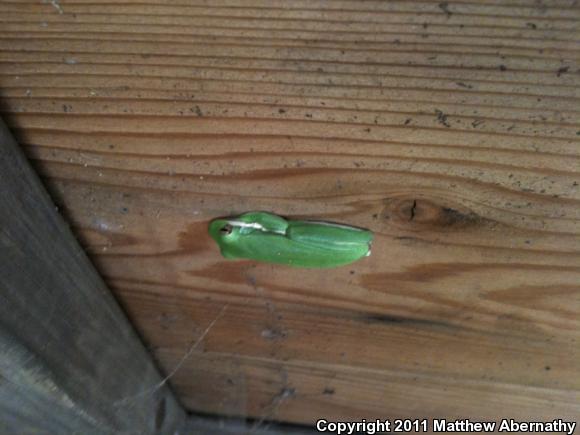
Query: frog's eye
[(226, 229)]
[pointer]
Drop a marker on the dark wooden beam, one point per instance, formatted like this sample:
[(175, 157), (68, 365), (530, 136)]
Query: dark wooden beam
[(70, 362), (204, 425)]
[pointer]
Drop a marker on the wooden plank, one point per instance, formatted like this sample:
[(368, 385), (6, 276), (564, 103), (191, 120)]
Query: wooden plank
[(450, 129), (345, 364), (71, 363)]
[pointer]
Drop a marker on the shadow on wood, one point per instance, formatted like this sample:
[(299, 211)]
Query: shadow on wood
[(71, 362)]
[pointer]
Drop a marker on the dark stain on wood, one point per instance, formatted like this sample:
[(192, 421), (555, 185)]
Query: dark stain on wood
[(387, 319), (425, 214), (194, 238)]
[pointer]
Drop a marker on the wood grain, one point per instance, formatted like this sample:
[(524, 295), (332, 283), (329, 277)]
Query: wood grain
[(450, 129)]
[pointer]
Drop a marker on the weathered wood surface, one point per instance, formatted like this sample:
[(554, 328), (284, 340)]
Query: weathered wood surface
[(451, 129), (70, 362)]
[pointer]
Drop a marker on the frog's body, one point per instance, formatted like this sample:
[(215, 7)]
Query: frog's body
[(267, 237)]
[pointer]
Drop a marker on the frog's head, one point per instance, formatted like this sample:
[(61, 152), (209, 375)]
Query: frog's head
[(223, 231)]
